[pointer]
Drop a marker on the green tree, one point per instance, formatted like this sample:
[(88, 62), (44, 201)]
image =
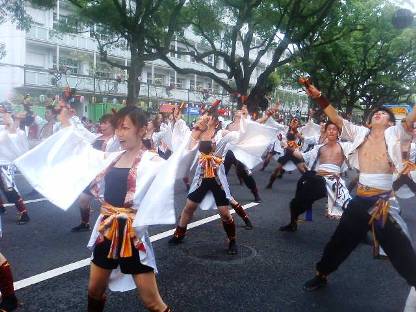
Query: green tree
[(374, 65), (237, 34)]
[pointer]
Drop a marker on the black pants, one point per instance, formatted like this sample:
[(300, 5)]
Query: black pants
[(242, 170), (288, 157), (353, 228), (310, 188)]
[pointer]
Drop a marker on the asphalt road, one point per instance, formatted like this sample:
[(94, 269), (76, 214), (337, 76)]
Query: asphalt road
[(266, 275)]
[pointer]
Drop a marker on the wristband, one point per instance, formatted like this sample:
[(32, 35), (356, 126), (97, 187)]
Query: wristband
[(322, 101)]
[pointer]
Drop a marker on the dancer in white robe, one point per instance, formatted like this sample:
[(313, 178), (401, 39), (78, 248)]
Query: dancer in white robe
[(325, 164), (66, 163)]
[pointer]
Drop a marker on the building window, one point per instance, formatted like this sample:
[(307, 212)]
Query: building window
[(180, 83), (172, 47), (182, 56), (159, 80), (149, 78), (210, 59), (72, 66), (192, 84)]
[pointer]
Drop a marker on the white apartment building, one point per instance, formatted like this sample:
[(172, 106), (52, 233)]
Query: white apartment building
[(33, 57)]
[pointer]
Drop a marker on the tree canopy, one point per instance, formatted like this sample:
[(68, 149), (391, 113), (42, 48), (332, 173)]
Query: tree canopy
[(371, 66), (237, 34)]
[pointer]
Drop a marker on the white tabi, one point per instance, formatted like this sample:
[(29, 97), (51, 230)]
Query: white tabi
[(64, 164), (338, 194)]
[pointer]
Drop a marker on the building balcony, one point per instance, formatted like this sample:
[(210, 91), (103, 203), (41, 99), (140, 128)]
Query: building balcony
[(48, 36), (42, 78)]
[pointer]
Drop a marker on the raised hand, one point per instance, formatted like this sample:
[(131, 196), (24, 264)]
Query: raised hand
[(310, 89)]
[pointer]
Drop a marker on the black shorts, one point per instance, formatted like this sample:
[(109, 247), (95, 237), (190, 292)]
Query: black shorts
[(288, 157), (130, 265), (210, 184)]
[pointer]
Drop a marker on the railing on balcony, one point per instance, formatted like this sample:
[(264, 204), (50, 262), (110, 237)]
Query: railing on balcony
[(47, 35), (43, 78)]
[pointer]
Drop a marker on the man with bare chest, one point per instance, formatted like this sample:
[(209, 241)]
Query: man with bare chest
[(325, 163), (376, 152)]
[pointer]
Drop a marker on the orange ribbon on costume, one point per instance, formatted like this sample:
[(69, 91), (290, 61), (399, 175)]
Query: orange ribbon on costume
[(379, 212), (292, 144), (109, 228), (210, 163)]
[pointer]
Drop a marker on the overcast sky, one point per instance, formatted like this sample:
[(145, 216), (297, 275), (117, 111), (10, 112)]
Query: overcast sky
[(409, 4)]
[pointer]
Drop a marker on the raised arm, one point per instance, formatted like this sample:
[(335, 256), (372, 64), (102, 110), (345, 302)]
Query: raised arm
[(270, 112), (322, 101)]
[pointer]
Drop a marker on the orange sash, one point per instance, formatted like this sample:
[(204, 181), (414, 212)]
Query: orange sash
[(109, 229)]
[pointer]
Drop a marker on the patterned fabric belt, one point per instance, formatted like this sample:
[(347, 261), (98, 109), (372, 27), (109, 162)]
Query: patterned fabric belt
[(210, 164), (109, 228), (380, 211)]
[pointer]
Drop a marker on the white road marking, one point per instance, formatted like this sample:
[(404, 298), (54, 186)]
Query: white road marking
[(85, 262), (28, 201)]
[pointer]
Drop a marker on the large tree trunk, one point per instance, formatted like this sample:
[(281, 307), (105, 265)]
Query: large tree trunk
[(257, 100), (134, 72)]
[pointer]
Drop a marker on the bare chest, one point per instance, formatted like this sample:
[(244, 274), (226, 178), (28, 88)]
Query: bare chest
[(373, 157), (331, 155)]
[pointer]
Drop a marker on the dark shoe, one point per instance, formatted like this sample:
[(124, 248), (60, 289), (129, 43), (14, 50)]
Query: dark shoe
[(83, 227), (314, 284), (232, 248), (23, 218), (176, 240), (381, 257), (9, 303), (249, 225), (291, 227), (257, 198), (2, 210)]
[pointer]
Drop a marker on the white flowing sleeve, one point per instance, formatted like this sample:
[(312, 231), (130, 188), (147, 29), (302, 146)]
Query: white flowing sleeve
[(253, 140), (310, 157), (350, 131), (12, 145), (63, 165), (310, 129), (274, 124), (155, 192), (180, 133)]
